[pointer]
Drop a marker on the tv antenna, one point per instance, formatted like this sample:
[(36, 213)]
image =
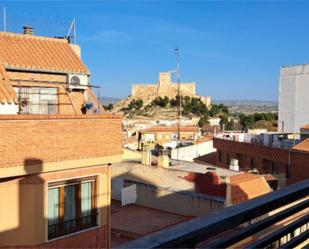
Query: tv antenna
[(177, 73), (72, 31), (4, 19)]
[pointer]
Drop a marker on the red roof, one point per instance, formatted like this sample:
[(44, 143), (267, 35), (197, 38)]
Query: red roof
[(306, 127), (302, 146), (210, 158), (246, 186), (170, 129), (7, 93), (28, 52), (203, 139)]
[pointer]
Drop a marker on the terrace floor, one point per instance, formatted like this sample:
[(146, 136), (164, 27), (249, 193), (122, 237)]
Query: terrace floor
[(133, 221)]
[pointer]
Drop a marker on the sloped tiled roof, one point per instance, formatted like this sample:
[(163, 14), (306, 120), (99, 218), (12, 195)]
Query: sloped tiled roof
[(7, 93), (302, 146), (246, 186), (203, 139), (210, 158), (305, 127), (28, 52)]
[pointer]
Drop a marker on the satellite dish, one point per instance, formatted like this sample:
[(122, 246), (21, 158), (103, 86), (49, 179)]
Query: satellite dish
[(75, 80)]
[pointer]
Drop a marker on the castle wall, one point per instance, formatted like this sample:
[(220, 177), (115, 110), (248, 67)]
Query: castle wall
[(144, 91), (171, 90), (165, 87)]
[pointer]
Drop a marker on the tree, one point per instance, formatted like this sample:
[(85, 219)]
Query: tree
[(224, 120), (203, 121), (159, 101), (139, 104), (136, 104), (108, 107)]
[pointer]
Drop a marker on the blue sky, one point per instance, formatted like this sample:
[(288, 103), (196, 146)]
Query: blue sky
[(231, 49)]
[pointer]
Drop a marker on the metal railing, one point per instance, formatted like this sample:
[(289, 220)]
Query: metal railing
[(71, 226), (232, 225)]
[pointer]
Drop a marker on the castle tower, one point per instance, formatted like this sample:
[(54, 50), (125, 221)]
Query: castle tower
[(165, 85), (164, 78)]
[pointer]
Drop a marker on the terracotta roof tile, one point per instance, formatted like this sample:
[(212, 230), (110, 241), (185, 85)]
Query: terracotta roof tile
[(203, 139), (270, 177), (305, 127), (19, 51), (210, 158), (171, 129), (302, 146), (7, 93), (246, 186)]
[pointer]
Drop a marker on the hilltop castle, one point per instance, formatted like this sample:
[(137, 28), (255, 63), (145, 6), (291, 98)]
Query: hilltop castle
[(165, 87)]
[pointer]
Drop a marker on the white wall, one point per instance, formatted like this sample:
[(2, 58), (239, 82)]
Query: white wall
[(293, 98), (188, 153), (8, 109)]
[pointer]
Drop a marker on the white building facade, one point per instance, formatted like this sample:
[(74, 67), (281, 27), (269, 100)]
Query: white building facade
[(293, 98)]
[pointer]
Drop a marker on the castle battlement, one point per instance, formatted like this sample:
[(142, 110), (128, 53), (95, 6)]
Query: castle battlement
[(165, 87)]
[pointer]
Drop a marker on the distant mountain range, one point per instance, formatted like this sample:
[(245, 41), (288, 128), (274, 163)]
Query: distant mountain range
[(109, 100), (246, 102)]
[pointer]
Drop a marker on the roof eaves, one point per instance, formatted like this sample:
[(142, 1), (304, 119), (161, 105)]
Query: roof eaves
[(43, 70)]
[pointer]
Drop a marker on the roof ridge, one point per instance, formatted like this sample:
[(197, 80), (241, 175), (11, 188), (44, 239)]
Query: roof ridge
[(34, 37)]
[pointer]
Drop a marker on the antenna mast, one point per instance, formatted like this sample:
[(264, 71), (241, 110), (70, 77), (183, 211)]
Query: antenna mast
[(4, 19), (72, 27), (177, 71)]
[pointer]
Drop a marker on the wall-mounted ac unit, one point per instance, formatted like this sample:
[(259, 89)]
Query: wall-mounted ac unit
[(77, 81)]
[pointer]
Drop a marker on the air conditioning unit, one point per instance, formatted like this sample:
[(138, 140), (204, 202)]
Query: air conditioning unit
[(234, 164), (77, 81)]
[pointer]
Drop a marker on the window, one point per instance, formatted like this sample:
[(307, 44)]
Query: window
[(252, 163), (37, 100), (71, 206), (220, 156)]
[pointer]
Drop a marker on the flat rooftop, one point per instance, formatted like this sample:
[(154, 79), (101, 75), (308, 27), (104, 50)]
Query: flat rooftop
[(135, 221), (201, 168)]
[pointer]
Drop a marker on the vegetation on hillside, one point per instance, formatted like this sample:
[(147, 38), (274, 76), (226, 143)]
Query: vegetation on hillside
[(258, 120), (192, 106), (108, 107)]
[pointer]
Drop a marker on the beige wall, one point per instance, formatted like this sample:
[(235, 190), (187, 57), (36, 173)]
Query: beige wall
[(166, 189), (22, 213), (24, 209)]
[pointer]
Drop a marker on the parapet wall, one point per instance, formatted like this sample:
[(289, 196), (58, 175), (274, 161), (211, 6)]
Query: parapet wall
[(144, 91), (54, 138)]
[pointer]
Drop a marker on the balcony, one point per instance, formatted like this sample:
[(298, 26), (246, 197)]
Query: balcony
[(71, 226), (251, 224)]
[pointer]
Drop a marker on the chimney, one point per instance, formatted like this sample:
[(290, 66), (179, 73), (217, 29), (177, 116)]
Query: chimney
[(28, 30), (146, 157), (163, 159)]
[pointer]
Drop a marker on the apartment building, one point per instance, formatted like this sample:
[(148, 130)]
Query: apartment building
[(54, 169), (167, 136), (288, 163), (43, 75)]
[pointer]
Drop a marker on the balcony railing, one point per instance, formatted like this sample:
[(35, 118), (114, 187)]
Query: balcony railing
[(71, 226), (234, 224)]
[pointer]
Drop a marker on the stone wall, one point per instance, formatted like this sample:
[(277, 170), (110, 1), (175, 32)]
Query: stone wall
[(165, 87)]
